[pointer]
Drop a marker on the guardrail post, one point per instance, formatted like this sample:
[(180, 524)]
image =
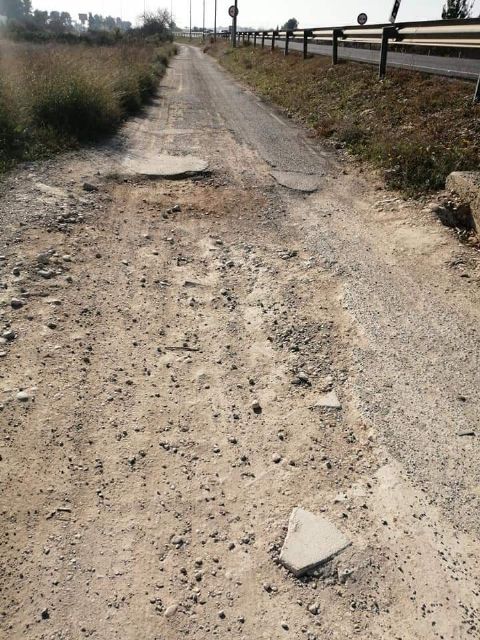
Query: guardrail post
[(263, 39), (248, 37), (387, 34), (254, 39), (288, 35), (337, 33), (306, 35), (274, 35), (476, 97)]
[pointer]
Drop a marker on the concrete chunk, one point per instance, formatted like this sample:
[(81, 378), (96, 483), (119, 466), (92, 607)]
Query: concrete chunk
[(329, 400), (466, 184), (165, 166), (311, 540)]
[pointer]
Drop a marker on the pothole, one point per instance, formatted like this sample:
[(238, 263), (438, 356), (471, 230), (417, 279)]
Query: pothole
[(297, 181)]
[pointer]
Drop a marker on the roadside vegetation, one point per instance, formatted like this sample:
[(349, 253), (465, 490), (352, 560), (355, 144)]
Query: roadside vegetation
[(56, 96), (62, 84), (414, 127)]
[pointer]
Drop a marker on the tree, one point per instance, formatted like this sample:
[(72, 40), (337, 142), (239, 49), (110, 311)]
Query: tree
[(157, 22), (40, 18), (15, 9), (291, 24), (457, 9)]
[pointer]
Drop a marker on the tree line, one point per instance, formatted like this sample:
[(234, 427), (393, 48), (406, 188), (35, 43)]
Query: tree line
[(20, 12)]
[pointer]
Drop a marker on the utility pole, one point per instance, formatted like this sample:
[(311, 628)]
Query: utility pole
[(203, 28), (190, 19), (215, 23)]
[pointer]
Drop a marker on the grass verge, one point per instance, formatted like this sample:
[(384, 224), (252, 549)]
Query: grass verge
[(415, 127), (57, 96)]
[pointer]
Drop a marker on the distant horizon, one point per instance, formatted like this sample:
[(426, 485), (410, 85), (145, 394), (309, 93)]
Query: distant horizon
[(255, 14)]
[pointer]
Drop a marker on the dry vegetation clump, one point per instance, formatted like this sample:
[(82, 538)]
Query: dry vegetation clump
[(54, 96), (417, 128)]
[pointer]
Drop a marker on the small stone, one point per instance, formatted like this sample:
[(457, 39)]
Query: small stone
[(171, 611), (45, 614), (221, 614), (88, 186), (314, 608), (45, 273), (276, 458), (23, 396), (284, 625), (256, 407), (16, 303)]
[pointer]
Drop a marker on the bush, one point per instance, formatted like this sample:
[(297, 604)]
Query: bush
[(55, 96), (75, 106)]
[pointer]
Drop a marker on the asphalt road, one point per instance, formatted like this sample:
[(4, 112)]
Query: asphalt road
[(454, 67)]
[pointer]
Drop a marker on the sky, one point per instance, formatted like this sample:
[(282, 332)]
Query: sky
[(258, 13)]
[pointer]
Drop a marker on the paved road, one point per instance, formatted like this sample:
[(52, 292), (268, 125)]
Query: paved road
[(455, 67), (142, 495)]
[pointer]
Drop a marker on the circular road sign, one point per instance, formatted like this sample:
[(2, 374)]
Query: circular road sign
[(362, 19), (233, 11)]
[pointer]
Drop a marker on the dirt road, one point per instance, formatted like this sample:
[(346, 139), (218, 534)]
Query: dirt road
[(155, 432)]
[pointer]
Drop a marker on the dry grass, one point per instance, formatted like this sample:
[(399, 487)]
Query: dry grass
[(54, 96), (415, 127)]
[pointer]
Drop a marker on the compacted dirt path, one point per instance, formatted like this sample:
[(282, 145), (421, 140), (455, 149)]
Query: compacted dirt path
[(164, 347)]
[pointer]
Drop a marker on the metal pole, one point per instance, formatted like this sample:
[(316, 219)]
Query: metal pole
[(274, 33), (287, 40), (203, 28), (305, 44), (263, 39), (254, 39), (387, 33), (234, 25), (476, 98), (215, 23), (336, 34), (190, 19)]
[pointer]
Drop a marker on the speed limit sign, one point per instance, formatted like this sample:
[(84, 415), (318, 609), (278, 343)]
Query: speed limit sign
[(233, 11), (362, 19)]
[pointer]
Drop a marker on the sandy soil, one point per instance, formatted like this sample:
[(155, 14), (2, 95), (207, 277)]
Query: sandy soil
[(142, 494)]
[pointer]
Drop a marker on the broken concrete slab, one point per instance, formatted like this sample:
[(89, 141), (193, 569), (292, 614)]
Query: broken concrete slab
[(166, 166), (466, 184), (311, 541), (329, 400), (308, 183), (51, 191)]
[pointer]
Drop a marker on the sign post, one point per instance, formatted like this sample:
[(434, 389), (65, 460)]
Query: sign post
[(396, 7), (233, 13)]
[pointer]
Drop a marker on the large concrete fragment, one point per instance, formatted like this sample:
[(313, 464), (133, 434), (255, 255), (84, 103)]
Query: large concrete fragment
[(466, 184), (311, 540), (165, 166)]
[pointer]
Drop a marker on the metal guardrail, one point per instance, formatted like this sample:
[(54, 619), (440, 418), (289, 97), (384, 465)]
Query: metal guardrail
[(457, 34)]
